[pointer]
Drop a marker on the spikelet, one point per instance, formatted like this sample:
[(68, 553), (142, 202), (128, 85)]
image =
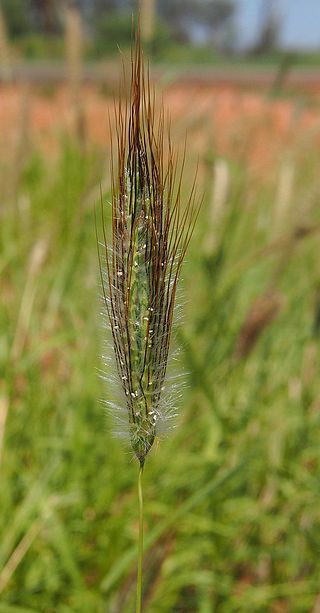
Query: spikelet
[(150, 235), (261, 314)]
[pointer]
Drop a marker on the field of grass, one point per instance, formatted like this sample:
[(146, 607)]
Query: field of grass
[(232, 495), (38, 46)]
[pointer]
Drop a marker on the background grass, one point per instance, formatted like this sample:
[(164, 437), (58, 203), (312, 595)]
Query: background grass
[(232, 496)]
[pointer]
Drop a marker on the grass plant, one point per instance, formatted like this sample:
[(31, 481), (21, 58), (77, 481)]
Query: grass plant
[(140, 273)]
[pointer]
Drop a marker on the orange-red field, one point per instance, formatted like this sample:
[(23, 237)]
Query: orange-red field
[(224, 120)]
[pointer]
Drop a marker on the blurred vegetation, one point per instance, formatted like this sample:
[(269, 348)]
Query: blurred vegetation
[(113, 31), (36, 30), (232, 496), (164, 50)]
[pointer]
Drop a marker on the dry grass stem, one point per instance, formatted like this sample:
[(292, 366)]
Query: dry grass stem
[(5, 64), (282, 213), (18, 554), (4, 407), (74, 49), (220, 187), (147, 19), (37, 257)]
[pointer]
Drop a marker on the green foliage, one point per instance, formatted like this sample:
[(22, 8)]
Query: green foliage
[(17, 16), (113, 30), (232, 496), (24, 17), (38, 46)]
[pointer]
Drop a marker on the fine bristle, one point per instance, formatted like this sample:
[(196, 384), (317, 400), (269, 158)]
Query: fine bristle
[(150, 235)]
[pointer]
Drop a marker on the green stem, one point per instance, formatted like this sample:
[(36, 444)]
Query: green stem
[(140, 542)]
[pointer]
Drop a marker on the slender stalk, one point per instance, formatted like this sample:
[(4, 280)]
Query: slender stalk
[(140, 542)]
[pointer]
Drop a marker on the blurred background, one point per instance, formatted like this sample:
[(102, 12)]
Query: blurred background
[(232, 495)]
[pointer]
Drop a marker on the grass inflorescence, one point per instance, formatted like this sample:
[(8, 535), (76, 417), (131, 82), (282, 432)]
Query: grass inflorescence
[(150, 235)]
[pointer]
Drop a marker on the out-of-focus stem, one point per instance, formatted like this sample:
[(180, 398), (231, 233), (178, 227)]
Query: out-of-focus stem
[(147, 20), (5, 65)]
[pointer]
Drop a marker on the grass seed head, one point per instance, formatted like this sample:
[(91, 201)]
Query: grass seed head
[(150, 234)]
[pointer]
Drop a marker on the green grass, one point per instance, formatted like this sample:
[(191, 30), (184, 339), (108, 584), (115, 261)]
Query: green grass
[(39, 47), (232, 496)]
